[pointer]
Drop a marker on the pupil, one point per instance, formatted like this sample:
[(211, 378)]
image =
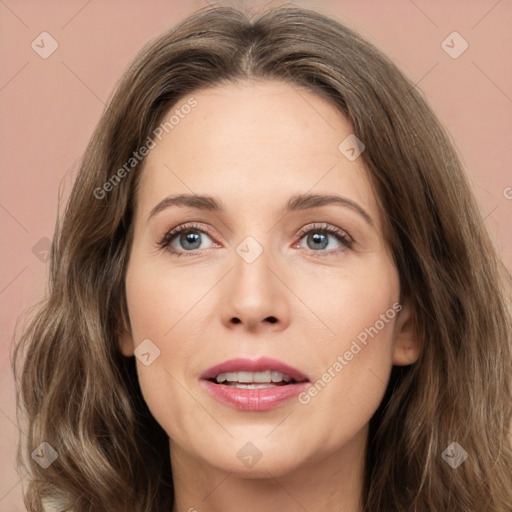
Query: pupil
[(192, 238), (317, 237)]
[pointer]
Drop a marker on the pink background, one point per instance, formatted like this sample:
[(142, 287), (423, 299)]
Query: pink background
[(50, 106)]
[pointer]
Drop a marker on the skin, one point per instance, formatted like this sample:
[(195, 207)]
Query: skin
[(253, 145)]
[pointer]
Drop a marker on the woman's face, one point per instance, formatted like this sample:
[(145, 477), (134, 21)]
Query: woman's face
[(260, 277)]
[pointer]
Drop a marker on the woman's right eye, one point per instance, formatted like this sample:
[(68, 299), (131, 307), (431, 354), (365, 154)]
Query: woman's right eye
[(188, 236)]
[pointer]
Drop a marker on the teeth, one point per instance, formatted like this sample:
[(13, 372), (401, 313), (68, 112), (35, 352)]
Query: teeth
[(278, 377), (267, 376), (251, 386), (262, 376)]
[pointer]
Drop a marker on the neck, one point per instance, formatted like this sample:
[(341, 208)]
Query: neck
[(328, 482)]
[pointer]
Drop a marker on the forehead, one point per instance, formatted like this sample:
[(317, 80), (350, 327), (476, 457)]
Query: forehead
[(254, 143)]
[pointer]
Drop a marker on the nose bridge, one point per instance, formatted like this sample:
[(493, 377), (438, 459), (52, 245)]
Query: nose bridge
[(254, 294), (251, 262)]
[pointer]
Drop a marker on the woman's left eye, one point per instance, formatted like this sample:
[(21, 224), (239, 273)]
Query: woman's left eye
[(189, 236), (317, 237)]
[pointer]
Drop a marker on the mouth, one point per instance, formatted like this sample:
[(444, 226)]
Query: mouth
[(253, 385), (264, 371)]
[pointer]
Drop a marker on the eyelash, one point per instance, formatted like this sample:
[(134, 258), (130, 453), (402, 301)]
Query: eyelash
[(339, 234)]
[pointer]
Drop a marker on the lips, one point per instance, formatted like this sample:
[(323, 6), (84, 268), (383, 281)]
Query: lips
[(247, 365), (244, 384)]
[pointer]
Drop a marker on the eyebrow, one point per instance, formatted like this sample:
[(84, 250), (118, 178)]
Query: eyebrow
[(296, 203)]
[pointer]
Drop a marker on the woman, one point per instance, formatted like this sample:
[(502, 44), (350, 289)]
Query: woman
[(337, 337)]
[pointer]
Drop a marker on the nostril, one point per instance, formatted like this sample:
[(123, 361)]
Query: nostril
[(272, 319)]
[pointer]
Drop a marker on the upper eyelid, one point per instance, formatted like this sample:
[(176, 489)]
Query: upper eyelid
[(200, 227), (326, 226)]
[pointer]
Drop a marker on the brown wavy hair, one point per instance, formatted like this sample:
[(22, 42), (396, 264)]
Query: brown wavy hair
[(80, 395)]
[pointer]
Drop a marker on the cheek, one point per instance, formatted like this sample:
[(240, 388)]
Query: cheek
[(364, 329), (350, 309), (164, 310), (352, 358), (159, 300), (169, 401)]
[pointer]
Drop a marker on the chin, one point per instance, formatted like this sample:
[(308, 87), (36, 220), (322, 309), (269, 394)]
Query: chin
[(249, 462)]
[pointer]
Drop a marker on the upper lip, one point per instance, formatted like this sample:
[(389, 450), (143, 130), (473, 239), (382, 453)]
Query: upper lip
[(249, 365)]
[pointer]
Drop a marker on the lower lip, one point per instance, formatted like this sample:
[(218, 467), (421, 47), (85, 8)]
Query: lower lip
[(253, 399)]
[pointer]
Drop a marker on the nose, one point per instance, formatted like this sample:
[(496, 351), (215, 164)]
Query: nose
[(255, 296)]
